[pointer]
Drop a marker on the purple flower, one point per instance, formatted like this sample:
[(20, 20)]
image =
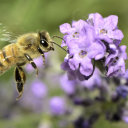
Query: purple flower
[(57, 106), (125, 119), (67, 85), (72, 33), (122, 91), (93, 40), (80, 39), (106, 28), (116, 62), (82, 123), (39, 89), (72, 75), (82, 46)]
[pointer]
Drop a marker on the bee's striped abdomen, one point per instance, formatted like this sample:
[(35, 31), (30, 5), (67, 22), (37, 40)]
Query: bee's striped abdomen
[(8, 57)]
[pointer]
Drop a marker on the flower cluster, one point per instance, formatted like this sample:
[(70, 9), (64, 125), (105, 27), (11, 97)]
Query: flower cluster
[(90, 41), (98, 96)]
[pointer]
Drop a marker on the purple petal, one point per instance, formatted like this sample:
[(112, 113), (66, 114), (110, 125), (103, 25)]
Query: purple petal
[(105, 38), (111, 22), (64, 41), (126, 74), (73, 47), (86, 67), (116, 34), (78, 24), (97, 19), (111, 56), (65, 28), (65, 65), (117, 69), (123, 51), (74, 63), (96, 51)]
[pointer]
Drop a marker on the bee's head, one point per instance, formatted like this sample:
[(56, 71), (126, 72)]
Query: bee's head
[(45, 43)]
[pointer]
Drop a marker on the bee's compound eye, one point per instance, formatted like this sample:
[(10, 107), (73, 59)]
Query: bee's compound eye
[(44, 43)]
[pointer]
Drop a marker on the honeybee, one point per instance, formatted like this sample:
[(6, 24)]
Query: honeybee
[(26, 48)]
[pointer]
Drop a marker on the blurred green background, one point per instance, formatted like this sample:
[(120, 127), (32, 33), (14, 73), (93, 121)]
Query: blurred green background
[(23, 16)]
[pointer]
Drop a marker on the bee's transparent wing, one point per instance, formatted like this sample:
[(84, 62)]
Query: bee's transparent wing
[(6, 36)]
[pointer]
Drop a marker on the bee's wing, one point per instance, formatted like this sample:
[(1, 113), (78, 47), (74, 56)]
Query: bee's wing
[(6, 36)]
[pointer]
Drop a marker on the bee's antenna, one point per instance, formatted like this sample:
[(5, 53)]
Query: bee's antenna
[(58, 46), (58, 37)]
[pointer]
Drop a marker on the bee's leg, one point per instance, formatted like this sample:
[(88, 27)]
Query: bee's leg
[(20, 80), (43, 58), (42, 53), (32, 63)]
